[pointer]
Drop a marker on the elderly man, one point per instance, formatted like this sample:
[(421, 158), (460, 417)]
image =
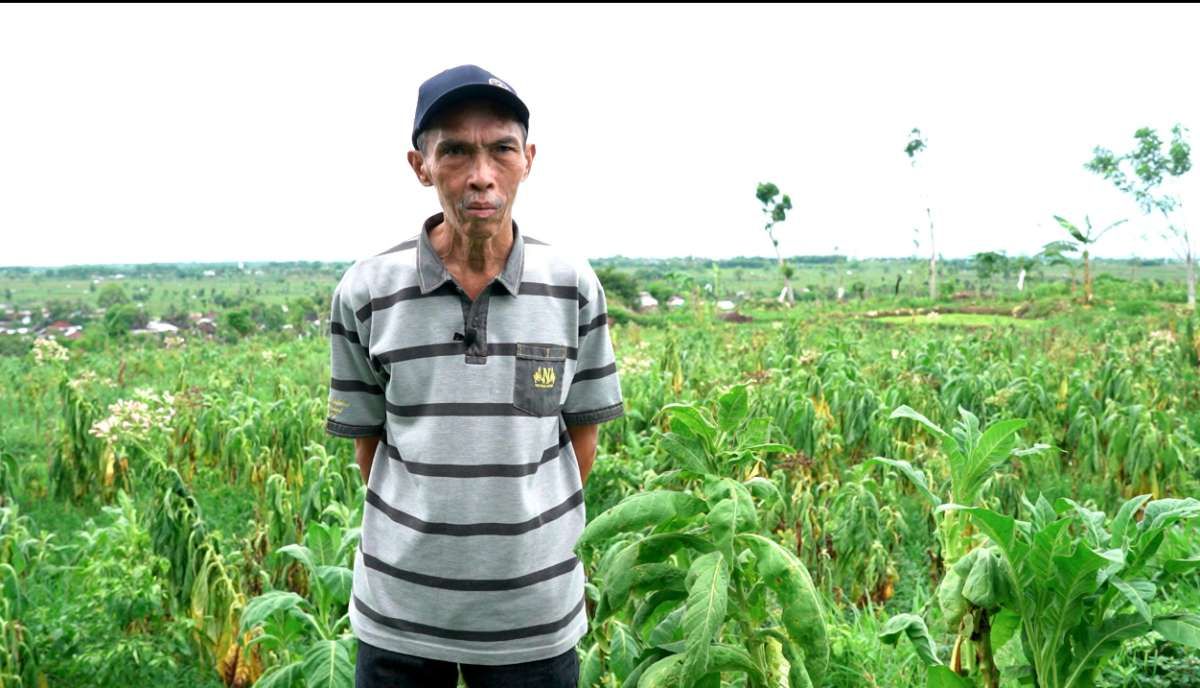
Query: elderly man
[(472, 365)]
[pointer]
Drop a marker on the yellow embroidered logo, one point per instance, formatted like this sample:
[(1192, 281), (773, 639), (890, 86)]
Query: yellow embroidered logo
[(336, 406), (543, 378)]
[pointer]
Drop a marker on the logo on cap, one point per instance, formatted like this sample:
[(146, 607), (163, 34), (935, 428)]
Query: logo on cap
[(496, 82)]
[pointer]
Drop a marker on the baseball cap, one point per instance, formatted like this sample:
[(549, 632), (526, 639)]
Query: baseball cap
[(461, 83)]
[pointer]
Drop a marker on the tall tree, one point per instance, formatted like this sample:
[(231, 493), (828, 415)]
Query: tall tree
[(1083, 244), (917, 144), (775, 208), (1142, 172)]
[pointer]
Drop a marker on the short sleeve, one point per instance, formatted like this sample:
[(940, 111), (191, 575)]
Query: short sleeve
[(594, 395), (356, 397)]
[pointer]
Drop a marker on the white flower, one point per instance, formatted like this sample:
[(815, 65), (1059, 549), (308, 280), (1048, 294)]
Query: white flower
[(47, 350), (136, 419)]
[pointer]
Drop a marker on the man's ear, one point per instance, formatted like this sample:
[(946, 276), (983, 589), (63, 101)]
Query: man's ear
[(530, 152), (417, 162)]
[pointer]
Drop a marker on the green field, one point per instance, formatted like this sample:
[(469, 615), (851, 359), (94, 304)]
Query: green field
[(810, 496)]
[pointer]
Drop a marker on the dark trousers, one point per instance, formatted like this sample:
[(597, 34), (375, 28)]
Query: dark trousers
[(380, 668)]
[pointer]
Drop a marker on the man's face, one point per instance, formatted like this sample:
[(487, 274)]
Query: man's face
[(475, 159)]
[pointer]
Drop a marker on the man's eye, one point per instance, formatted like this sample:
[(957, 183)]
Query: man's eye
[(454, 150)]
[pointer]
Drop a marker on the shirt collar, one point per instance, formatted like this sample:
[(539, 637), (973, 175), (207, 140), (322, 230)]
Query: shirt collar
[(433, 273)]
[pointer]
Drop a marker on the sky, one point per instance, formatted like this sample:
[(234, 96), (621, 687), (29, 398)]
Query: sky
[(167, 133)]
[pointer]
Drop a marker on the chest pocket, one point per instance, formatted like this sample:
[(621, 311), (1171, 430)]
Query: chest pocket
[(537, 379)]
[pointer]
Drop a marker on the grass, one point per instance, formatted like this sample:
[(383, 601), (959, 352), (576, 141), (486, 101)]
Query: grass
[(958, 320)]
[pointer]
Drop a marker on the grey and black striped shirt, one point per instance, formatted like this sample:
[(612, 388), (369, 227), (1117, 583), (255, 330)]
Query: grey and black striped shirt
[(474, 502)]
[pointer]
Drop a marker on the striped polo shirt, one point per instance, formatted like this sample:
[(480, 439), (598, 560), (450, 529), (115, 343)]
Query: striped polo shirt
[(474, 502)]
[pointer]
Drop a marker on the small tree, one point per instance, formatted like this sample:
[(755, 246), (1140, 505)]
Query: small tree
[(1082, 244), (776, 211), (1141, 173), (986, 265), (916, 144), (112, 294)]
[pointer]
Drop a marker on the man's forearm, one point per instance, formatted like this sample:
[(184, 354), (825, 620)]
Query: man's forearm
[(583, 440), (364, 455)]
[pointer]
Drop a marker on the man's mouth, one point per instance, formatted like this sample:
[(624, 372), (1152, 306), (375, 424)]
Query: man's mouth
[(481, 210)]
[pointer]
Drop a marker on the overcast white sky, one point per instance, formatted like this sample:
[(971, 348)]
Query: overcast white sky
[(200, 133)]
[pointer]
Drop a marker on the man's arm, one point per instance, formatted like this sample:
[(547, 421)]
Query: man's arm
[(583, 440), (364, 455)]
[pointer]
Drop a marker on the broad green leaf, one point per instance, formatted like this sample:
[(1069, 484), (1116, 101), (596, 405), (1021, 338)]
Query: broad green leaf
[(300, 553), (914, 475), (1124, 518), (617, 574), (986, 585), (943, 677), (284, 677), (950, 591), (1005, 624), (801, 608), (662, 674), (732, 407), (1183, 629), (906, 412), (668, 632), (708, 590), (993, 449), (767, 448), (646, 610), (638, 511), (659, 546), (1161, 513), (722, 657), (623, 651), (1093, 522), (797, 673), (694, 419), (261, 608), (686, 451), (1129, 593), (766, 490), (914, 628), (755, 432), (652, 656), (1098, 644), (591, 669), (327, 664), (1180, 566), (337, 581), (729, 517)]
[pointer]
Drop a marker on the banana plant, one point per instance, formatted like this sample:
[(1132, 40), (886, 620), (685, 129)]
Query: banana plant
[(708, 593), (973, 456)]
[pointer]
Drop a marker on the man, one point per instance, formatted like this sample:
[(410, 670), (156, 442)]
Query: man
[(472, 365)]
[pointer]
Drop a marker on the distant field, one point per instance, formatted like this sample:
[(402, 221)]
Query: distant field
[(957, 320)]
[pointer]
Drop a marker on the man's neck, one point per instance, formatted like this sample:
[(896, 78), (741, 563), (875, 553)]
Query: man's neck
[(477, 256)]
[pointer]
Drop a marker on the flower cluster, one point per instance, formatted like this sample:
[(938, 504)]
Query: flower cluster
[(173, 342), (636, 360), (1160, 344), (135, 419), (47, 351), (271, 357), (88, 377), (807, 356)]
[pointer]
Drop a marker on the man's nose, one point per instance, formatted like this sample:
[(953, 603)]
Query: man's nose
[(483, 173)]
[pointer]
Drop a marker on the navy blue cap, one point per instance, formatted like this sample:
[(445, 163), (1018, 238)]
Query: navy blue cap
[(462, 83)]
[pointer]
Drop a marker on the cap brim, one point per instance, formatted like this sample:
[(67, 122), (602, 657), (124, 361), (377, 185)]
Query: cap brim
[(472, 92)]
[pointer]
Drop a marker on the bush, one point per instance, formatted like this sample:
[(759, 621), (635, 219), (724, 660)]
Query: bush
[(112, 294)]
